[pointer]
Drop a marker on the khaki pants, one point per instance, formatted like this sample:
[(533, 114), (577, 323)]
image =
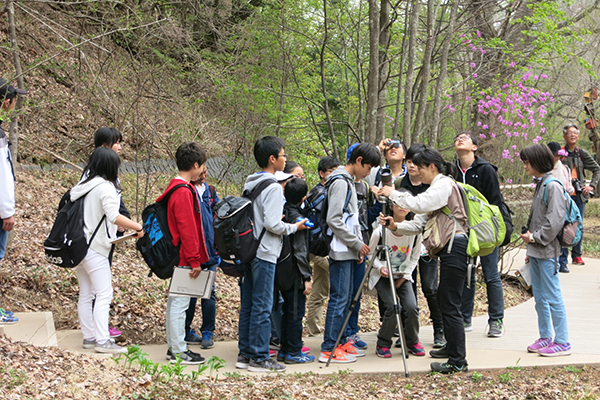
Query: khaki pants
[(320, 293)]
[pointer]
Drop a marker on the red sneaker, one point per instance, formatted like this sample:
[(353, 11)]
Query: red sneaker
[(578, 261)]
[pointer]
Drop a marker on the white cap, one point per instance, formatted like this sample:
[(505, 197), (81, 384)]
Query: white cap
[(282, 176)]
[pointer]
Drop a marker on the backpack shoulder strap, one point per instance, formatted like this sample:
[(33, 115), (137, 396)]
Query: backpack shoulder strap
[(194, 195), (348, 193), (545, 183), (254, 193)]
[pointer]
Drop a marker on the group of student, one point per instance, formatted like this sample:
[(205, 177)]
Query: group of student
[(422, 185)]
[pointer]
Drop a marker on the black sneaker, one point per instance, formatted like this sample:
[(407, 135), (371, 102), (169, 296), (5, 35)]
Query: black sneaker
[(188, 358), (274, 343), (269, 365), (439, 340), (496, 328), (169, 354), (446, 368), (242, 362), (564, 269), (441, 353), (192, 337)]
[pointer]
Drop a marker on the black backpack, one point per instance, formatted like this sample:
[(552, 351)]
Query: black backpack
[(156, 246), (316, 206), (66, 245), (233, 223), (286, 271)]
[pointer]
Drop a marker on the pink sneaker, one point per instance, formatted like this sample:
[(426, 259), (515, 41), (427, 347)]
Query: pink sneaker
[(272, 353), (417, 349), (555, 350), (114, 333), (538, 345), (306, 350)]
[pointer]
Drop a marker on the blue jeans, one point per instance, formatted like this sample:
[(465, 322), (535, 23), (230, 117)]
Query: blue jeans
[(176, 308), (208, 309), (340, 287), (549, 303), (495, 293), (276, 314), (358, 272), (3, 239), (257, 300), (576, 252)]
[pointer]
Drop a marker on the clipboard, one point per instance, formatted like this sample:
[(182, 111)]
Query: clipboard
[(122, 238), (182, 285)]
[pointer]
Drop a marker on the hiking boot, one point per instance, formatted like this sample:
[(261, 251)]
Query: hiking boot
[(274, 343), (383, 352), (299, 359), (495, 328), (439, 340), (192, 337), (242, 362), (468, 327), (265, 366), (446, 368), (441, 353), (563, 269), (538, 345), (281, 356), (89, 344), (578, 261), (109, 347), (416, 349), (358, 342), (349, 348), (207, 340), (114, 333), (556, 350), (7, 317), (188, 358), (339, 356)]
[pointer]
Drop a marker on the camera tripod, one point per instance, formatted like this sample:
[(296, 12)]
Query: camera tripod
[(383, 253)]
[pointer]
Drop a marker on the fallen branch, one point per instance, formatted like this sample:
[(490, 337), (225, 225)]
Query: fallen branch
[(52, 153)]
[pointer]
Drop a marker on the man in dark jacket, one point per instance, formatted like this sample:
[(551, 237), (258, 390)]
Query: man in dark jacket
[(482, 176), (578, 160)]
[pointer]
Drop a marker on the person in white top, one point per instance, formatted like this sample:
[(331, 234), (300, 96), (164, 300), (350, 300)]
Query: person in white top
[(99, 186)]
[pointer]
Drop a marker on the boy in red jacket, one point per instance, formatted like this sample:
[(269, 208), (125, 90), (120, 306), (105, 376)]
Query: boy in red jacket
[(185, 224)]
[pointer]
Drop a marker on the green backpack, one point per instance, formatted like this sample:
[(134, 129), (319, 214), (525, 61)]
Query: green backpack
[(486, 225)]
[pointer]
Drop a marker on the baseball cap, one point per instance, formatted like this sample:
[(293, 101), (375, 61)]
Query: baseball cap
[(350, 149), (282, 176), (6, 88)]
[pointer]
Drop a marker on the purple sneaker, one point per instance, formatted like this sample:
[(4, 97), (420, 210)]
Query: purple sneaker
[(556, 350), (538, 345)]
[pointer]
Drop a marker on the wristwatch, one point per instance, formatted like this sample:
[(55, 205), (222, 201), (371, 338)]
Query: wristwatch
[(531, 239)]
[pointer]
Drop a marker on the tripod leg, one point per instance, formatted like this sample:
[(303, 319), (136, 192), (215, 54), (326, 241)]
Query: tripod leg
[(397, 311), (351, 307)]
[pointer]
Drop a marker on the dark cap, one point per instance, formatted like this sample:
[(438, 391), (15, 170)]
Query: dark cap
[(554, 147), (8, 91)]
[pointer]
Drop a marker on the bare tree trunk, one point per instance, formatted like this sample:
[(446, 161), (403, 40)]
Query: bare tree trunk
[(323, 86), (439, 87), (13, 127), (425, 73), (373, 78), (410, 72), (384, 67), (396, 127)]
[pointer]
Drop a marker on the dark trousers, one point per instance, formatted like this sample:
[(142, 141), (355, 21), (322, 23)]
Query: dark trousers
[(428, 270), (453, 273), (409, 311), (291, 320)]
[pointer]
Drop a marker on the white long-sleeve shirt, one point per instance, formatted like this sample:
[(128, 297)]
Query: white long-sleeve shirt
[(7, 179)]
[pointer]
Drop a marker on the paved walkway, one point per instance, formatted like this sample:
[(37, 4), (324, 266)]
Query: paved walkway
[(581, 290)]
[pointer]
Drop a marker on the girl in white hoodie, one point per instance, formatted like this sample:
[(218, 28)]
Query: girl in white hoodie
[(101, 208)]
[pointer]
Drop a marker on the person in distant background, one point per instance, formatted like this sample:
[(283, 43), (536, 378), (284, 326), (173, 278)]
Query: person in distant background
[(578, 160), (8, 94)]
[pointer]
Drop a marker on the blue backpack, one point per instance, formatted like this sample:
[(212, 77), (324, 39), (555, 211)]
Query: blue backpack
[(572, 231)]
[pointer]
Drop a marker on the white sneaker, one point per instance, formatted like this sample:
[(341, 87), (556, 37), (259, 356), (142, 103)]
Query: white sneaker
[(110, 347)]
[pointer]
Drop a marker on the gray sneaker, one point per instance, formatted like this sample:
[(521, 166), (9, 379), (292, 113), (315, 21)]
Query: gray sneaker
[(439, 340), (468, 327), (109, 347), (242, 362), (495, 328), (89, 344), (269, 365)]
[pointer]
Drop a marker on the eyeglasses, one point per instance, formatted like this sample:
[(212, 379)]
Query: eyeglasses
[(281, 155), (462, 138)]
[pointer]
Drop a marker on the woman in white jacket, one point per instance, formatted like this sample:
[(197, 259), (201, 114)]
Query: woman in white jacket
[(99, 187)]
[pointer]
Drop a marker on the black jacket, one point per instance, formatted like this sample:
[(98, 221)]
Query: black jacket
[(299, 239), (483, 176)]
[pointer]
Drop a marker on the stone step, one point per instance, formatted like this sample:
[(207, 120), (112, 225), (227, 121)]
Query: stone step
[(34, 328)]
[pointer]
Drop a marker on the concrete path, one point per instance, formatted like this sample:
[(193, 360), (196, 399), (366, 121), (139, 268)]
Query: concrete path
[(581, 291)]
